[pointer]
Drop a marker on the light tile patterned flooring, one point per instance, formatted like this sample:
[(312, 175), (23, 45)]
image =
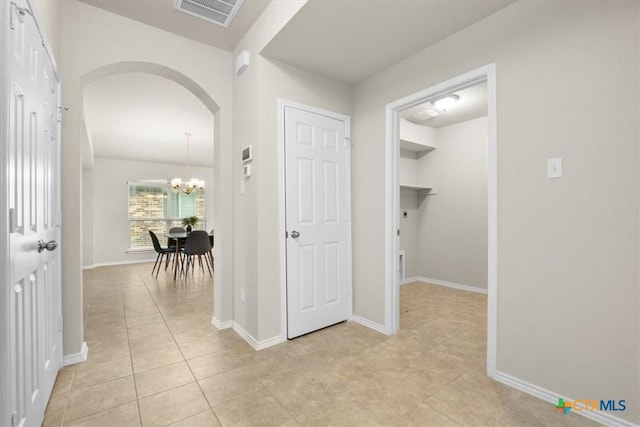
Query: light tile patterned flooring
[(154, 359)]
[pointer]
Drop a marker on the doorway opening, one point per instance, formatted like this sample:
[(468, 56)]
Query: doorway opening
[(410, 166)]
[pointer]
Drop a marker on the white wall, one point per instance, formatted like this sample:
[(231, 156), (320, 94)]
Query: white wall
[(452, 223), (94, 39), (567, 78), (109, 238)]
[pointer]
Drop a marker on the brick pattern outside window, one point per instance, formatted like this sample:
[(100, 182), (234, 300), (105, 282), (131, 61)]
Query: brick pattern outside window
[(157, 207)]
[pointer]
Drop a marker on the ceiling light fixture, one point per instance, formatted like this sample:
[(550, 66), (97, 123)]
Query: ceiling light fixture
[(190, 184), (445, 102)]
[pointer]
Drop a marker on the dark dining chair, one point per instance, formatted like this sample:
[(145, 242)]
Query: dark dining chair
[(161, 253), (172, 242), (197, 245)]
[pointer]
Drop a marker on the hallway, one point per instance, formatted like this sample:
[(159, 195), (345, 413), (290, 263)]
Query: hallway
[(154, 359)]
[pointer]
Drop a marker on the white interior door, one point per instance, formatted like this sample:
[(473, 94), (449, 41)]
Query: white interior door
[(316, 154), (35, 339)]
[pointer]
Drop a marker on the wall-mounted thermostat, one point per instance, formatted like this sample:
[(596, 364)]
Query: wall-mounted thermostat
[(246, 170), (247, 154)]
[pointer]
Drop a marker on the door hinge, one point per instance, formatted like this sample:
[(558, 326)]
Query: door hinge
[(60, 323), (347, 142), (398, 231), (286, 234), (14, 419)]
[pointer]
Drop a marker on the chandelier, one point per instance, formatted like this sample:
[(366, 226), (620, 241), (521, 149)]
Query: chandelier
[(190, 184)]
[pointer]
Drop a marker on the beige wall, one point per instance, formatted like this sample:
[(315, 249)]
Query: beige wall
[(93, 38), (452, 224), (567, 75)]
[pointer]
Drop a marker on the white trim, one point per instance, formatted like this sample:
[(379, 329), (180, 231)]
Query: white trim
[(257, 345), (282, 104), (72, 359), (110, 263), (552, 397), (88, 267), (369, 324), (410, 280), (446, 284), (221, 325), (139, 250), (392, 192)]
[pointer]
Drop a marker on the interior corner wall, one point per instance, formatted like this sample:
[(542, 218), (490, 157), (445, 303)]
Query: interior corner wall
[(257, 227), (452, 223), (91, 39), (568, 258), (409, 203)]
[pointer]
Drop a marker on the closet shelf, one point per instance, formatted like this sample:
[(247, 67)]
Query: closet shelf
[(417, 188), (415, 147)]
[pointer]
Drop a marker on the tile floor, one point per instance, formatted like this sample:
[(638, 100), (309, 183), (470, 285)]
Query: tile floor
[(155, 360)]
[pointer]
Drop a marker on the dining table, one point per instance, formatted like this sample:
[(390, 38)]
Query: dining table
[(180, 237)]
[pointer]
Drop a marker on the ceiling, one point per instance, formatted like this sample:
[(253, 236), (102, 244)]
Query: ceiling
[(161, 14), (352, 40), (140, 116), (471, 105)]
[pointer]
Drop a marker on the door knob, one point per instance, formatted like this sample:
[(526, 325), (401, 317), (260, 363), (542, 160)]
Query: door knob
[(295, 234), (50, 245)]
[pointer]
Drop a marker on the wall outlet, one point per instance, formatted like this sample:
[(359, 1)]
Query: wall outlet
[(242, 295)]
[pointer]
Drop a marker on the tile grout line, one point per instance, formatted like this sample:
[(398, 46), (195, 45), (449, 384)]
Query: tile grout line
[(184, 359)]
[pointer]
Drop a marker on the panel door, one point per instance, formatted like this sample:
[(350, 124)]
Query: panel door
[(316, 221), (35, 347)]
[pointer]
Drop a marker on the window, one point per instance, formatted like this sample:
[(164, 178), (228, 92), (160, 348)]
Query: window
[(157, 207)]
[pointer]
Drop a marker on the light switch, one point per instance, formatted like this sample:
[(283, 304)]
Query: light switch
[(554, 168)]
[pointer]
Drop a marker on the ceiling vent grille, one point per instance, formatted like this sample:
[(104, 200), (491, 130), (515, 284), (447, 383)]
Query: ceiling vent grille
[(219, 12)]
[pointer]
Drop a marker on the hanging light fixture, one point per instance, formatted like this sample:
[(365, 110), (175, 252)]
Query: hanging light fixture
[(190, 184)]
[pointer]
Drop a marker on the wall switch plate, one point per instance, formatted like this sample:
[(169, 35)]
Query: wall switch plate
[(242, 187), (554, 168), (242, 295)]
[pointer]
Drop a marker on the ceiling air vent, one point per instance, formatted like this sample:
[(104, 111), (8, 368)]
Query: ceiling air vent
[(219, 12)]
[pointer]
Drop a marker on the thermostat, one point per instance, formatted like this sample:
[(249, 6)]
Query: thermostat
[(247, 154)]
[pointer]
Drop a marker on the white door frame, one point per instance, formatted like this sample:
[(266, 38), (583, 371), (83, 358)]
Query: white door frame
[(392, 200), (282, 104)]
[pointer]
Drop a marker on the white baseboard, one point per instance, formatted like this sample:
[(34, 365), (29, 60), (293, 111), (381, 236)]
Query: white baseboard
[(257, 345), (72, 359), (447, 284), (111, 263), (410, 280), (221, 325), (88, 267), (369, 324), (552, 397)]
